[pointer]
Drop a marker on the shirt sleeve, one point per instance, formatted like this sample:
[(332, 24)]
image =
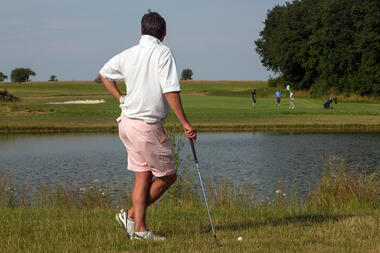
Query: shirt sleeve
[(111, 70), (168, 73)]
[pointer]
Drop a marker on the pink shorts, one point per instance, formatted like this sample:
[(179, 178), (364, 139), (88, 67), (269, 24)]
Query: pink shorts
[(148, 146)]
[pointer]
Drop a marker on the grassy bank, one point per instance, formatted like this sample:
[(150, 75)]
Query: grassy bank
[(340, 215), (212, 106), (65, 230)]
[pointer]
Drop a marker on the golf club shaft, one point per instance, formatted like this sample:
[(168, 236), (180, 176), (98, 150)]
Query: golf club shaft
[(203, 189)]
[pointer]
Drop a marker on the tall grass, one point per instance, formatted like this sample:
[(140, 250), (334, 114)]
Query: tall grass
[(342, 188), (339, 189), (341, 214)]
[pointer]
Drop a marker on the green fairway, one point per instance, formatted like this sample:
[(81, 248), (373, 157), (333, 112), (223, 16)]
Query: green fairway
[(209, 106)]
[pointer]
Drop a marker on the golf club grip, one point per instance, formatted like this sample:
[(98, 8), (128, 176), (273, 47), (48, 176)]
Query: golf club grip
[(193, 149)]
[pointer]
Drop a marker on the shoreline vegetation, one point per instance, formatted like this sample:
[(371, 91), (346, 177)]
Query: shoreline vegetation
[(210, 105), (340, 214), (351, 128)]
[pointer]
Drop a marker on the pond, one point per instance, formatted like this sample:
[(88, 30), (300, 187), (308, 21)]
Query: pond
[(263, 159)]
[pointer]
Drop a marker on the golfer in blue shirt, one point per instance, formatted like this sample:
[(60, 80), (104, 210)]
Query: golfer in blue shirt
[(278, 97)]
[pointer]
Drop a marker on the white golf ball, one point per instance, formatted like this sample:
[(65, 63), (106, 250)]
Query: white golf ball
[(240, 238)]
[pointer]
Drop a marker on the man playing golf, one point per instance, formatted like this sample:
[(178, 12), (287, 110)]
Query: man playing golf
[(149, 71)]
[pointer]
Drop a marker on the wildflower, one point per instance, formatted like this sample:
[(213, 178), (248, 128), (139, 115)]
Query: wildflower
[(284, 194), (278, 191), (96, 180), (82, 189)]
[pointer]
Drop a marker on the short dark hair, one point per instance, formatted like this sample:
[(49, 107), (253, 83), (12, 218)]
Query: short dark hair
[(153, 24)]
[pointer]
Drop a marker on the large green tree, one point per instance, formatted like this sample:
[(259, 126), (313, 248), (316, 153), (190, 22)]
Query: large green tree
[(2, 77), (20, 75), (324, 44)]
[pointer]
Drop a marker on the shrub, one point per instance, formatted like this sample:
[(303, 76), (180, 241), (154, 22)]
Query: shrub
[(3, 77), (320, 88), (53, 78), (341, 188), (276, 82), (7, 97)]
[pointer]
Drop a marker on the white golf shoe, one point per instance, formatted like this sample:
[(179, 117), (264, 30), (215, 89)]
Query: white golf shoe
[(149, 236), (127, 224)]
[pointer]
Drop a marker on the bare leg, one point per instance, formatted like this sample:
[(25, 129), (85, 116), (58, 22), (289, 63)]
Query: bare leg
[(154, 191), (139, 198), (159, 187)]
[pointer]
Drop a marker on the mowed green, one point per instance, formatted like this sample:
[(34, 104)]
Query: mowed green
[(208, 105)]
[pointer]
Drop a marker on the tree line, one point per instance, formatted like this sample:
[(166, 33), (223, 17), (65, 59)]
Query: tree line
[(324, 45), (21, 75)]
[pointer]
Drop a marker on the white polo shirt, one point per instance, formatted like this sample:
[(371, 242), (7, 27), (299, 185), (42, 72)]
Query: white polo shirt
[(149, 71)]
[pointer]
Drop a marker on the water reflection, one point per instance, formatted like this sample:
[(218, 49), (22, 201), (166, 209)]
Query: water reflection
[(264, 159)]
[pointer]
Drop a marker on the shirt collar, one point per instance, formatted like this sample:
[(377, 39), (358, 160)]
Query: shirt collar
[(148, 40)]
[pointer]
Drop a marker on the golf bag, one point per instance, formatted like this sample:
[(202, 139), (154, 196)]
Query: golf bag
[(327, 104)]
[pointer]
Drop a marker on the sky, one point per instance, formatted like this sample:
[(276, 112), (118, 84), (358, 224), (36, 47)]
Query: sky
[(73, 39)]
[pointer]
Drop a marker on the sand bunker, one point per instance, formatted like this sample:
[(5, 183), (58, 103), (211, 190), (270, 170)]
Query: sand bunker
[(77, 102)]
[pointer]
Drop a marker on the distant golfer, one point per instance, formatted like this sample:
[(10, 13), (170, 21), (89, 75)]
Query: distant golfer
[(278, 97), (150, 72), (291, 99), (253, 93)]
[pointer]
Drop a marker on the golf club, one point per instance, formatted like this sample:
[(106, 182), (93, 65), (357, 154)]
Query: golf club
[(203, 189)]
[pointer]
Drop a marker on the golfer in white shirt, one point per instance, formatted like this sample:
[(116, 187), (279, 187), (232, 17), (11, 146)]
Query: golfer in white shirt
[(152, 87)]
